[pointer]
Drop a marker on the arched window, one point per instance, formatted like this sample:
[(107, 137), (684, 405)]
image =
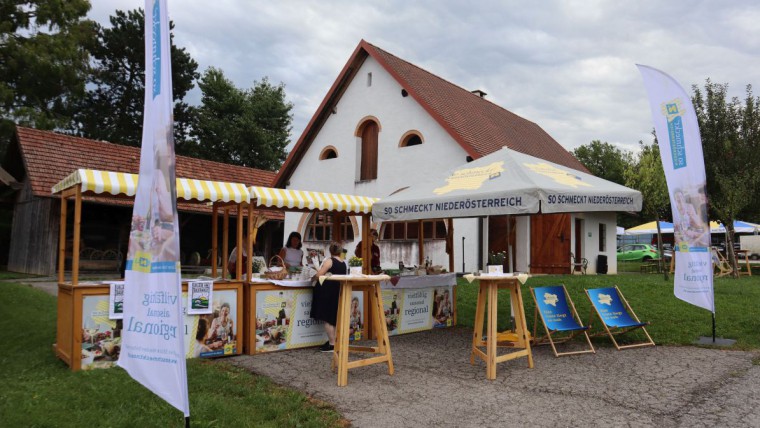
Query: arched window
[(411, 138), (328, 152), (368, 167), (320, 228)]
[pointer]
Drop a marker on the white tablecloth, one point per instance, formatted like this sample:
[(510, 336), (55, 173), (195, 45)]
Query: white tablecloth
[(421, 281), (522, 277), (284, 282)]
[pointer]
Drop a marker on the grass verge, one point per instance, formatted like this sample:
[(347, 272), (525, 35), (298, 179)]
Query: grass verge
[(673, 321), (39, 390)]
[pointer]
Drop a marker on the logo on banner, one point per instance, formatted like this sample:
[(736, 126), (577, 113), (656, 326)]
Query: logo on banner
[(471, 178), (550, 299), (674, 114), (558, 175)]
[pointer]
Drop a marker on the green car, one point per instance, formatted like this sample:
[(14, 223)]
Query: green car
[(636, 252)]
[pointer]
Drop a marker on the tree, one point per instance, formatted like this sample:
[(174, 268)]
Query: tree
[(604, 160), (646, 175), (44, 61), (248, 128), (730, 132), (113, 107)]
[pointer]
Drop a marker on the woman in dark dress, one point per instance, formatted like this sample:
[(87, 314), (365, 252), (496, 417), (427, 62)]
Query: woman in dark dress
[(324, 304)]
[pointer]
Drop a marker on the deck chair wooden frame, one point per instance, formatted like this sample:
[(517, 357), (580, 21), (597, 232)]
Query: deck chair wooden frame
[(721, 265), (565, 309), (628, 321)]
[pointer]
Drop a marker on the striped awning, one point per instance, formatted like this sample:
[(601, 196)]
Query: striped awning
[(299, 199), (117, 183)]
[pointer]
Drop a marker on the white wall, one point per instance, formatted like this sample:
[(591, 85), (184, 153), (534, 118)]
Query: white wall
[(397, 166), (590, 243), (400, 167)]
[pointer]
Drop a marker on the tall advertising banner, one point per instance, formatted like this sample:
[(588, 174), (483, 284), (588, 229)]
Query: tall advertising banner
[(153, 352), (681, 152)]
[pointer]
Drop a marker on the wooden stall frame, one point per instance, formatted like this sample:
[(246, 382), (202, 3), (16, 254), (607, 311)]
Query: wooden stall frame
[(68, 338)]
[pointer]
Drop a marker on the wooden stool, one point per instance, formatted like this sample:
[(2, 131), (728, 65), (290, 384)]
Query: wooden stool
[(520, 339), (376, 318)]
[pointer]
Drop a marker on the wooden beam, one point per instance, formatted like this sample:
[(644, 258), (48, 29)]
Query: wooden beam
[(62, 241), (77, 234), (214, 238), (225, 241), (239, 244), (420, 243)]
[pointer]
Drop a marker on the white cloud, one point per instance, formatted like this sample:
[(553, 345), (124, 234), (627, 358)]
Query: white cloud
[(569, 66)]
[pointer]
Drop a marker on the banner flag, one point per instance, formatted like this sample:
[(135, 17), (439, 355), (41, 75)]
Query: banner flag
[(675, 123), (152, 336)]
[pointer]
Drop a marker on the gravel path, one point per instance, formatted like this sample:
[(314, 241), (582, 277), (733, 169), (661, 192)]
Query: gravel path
[(434, 385)]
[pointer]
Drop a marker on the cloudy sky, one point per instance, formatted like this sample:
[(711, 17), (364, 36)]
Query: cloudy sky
[(569, 66)]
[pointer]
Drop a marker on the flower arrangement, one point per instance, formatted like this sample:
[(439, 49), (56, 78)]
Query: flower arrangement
[(497, 257), (355, 261)]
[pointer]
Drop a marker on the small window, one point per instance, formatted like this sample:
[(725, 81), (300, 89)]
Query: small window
[(369, 79), (328, 152), (410, 230), (411, 138), (602, 237)]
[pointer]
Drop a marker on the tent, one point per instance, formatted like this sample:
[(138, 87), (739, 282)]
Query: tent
[(715, 227), (506, 182), (739, 227), (650, 228)]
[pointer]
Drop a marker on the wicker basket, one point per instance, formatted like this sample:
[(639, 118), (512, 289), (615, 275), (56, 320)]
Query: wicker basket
[(276, 275)]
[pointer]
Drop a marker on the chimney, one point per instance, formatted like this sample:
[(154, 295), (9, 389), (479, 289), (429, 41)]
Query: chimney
[(479, 93)]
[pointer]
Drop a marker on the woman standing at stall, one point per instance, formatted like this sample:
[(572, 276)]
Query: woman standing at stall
[(324, 304), (291, 253)]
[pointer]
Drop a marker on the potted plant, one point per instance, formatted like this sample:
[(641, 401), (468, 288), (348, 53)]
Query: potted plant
[(355, 264)]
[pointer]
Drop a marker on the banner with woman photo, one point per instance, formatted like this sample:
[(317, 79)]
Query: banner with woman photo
[(675, 123), (152, 340)]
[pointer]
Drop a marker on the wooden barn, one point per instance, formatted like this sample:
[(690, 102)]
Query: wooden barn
[(37, 160)]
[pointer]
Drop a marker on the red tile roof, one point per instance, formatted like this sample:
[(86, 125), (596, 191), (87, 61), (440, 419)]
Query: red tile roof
[(478, 125), (49, 157)]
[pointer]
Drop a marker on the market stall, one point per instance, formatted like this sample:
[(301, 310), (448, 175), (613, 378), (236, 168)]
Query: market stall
[(88, 328), (277, 310), (505, 182)]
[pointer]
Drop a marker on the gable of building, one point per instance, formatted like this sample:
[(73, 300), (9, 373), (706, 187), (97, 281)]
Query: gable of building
[(479, 126)]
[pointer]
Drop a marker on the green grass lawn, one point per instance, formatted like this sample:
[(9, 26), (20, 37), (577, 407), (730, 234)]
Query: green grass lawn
[(39, 390), (673, 321)]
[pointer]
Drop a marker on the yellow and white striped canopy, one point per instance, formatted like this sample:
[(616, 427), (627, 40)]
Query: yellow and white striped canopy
[(124, 183), (298, 199)]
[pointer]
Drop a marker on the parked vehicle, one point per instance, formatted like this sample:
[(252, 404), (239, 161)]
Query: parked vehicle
[(637, 252), (751, 243)]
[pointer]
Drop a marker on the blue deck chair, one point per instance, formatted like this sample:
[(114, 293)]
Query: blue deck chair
[(616, 315), (558, 315)]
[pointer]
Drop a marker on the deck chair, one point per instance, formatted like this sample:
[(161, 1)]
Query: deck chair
[(616, 315), (558, 314), (721, 266), (579, 263)]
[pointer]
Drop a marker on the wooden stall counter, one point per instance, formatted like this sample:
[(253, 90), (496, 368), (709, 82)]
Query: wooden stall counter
[(278, 316), (86, 338), (519, 339)]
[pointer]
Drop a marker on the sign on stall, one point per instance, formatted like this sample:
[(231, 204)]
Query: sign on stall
[(200, 297)]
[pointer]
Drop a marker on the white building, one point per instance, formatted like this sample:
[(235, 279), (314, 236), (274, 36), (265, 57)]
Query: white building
[(385, 123)]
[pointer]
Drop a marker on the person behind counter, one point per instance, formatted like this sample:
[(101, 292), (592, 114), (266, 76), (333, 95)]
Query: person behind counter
[(291, 253), (375, 260), (324, 306), (232, 261)]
